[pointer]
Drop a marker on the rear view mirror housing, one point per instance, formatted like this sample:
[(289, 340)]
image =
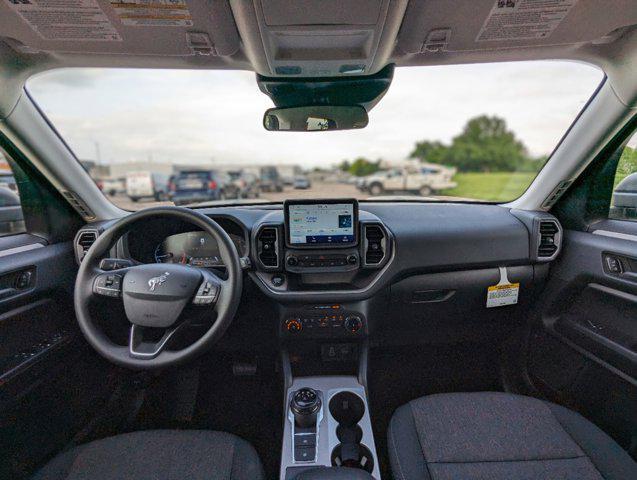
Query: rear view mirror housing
[(315, 118)]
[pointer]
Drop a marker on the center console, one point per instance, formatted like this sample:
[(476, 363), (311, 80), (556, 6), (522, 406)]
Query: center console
[(320, 260), (331, 429)]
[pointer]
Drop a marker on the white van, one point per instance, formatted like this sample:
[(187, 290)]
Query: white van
[(146, 185)]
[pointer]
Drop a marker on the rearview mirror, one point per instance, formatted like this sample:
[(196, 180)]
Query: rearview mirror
[(314, 118)]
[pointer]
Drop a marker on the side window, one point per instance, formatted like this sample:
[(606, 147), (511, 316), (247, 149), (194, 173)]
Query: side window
[(11, 218), (624, 202)]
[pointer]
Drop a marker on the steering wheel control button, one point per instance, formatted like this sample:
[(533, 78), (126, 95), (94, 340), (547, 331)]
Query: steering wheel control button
[(108, 285), (207, 294), (115, 263)]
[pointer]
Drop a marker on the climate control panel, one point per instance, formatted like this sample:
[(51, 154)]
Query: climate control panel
[(323, 320)]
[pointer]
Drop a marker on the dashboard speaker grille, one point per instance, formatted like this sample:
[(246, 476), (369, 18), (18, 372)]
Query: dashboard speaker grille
[(374, 244), (267, 244), (79, 205), (548, 239)]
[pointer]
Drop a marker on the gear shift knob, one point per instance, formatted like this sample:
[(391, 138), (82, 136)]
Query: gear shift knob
[(305, 406)]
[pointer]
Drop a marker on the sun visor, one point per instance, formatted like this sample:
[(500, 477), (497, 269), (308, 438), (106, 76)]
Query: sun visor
[(441, 25), (152, 27)]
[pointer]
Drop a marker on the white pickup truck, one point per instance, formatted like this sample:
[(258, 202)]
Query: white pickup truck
[(423, 180)]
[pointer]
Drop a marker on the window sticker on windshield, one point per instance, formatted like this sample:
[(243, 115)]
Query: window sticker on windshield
[(504, 293), (523, 19), (66, 19), (153, 13)]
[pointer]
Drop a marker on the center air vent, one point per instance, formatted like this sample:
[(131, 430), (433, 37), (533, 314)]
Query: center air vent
[(548, 239), (268, 246), (375, 244), (84, 241)]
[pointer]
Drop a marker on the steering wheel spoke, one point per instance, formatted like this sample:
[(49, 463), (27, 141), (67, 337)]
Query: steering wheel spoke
[(147, 343)]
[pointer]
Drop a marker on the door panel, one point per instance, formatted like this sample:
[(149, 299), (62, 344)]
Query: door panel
[(583, 352), (50, 381)]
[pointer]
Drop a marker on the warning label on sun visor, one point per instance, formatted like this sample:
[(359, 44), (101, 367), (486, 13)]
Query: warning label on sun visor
[(149, 13), (66, 19), (523, 19)]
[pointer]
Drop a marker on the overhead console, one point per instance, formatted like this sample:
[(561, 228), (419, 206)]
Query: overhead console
[(321, 246), (330, 38)]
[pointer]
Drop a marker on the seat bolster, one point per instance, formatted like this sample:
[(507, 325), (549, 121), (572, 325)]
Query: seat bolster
[(609, 458), (153, 454), (405, 453)]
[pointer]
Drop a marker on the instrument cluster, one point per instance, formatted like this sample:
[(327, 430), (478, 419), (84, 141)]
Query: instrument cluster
[(198, 249)]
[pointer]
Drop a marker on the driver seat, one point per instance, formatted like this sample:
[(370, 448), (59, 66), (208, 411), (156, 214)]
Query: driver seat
[(158, 455)]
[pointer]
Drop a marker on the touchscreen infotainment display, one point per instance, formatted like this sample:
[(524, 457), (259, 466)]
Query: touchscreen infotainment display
[(321, 224)]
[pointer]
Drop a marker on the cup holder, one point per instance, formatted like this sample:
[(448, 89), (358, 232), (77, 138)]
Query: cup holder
[(348, 409), (341, 457), (349, 434)]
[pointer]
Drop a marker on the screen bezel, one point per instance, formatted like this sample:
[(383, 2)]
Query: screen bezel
[(321, 246)]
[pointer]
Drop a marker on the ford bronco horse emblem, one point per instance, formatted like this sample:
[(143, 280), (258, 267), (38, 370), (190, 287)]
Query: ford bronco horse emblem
[(156, 281)]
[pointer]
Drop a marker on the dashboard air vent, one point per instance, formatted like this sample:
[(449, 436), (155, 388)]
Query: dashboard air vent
[(83, 242), (548, 244), (374, 244), (267, 246)]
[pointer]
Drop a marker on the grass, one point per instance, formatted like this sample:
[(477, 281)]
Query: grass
[(496, 187)]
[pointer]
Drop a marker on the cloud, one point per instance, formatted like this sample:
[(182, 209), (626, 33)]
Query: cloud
[(183, 116)]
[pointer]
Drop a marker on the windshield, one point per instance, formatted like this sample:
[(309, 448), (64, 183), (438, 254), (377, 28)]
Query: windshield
[(467, 133)]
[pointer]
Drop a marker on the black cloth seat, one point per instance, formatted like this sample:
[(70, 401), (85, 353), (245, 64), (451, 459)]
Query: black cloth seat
[(499, 436), (158, 455)]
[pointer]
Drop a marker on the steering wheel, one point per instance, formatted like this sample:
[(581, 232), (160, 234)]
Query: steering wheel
[(158, 297)]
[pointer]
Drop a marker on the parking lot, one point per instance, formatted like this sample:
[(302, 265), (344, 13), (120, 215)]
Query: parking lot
[(317, 190)]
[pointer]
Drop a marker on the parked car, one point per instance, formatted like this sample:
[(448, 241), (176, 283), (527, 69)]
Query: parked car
[(11, 218), (302, 183), (146, 184), (625, 198), (112, 186), (247, 183), (421, 180), (7, 180), (191, 186), (270, 180)]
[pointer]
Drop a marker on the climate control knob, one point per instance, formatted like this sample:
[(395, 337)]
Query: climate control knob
[(292, 261), (353, 323), (293, 325)]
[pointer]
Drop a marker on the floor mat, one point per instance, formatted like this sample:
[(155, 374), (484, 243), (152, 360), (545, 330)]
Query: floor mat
[(399, 375), (248, 406)]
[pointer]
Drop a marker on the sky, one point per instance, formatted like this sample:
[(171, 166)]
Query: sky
[(215, 117)]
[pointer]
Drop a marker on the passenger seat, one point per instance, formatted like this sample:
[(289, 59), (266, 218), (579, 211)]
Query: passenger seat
[(497, 436)]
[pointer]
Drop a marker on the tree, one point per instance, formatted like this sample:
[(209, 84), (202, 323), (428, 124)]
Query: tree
[(344, 166), (361, 167), (432, 152), (486, 145)]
